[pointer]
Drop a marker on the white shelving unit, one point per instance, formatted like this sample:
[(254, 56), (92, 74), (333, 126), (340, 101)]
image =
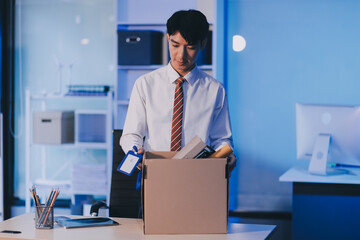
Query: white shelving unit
[(40, 103), (127, 74)]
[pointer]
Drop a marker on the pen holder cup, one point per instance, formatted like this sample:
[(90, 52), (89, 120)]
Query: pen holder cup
[(44, 217)]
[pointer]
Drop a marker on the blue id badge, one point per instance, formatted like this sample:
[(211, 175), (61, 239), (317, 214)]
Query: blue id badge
[(130, 161)]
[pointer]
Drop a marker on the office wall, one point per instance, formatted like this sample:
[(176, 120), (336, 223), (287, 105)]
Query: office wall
[(158, 11), (297, 51), (74, 41)]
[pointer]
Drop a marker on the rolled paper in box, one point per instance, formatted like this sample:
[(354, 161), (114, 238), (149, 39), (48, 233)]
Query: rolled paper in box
[(222, 152)]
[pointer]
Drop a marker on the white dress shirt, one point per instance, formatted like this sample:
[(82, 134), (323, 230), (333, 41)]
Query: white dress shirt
[(150, 111)]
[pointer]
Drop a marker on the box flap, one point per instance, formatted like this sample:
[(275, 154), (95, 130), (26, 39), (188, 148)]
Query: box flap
[(159, 155)]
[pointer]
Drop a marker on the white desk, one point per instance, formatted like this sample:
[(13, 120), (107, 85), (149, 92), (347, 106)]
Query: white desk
[(301, 174), (324, 207), (129, 229)]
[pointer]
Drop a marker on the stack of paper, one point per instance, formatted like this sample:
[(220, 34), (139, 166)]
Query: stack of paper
[(89, 178), (196, 148)]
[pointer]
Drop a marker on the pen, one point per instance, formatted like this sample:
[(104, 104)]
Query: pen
[(42, 219), (52, 202), (11, 231)]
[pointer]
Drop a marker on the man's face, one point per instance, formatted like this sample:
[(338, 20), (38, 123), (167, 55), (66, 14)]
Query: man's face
[(183, 55)]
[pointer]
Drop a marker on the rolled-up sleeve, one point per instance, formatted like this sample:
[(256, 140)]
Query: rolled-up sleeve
[(220, 132)]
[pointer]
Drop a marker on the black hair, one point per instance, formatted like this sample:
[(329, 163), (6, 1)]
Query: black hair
[(191, 24)]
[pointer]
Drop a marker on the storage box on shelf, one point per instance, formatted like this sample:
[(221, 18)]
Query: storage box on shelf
[(205, 55), (53, 127), (139, 47), (93, 117)]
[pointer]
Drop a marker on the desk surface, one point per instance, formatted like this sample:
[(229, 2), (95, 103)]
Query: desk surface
[(128, 229), (343, 176)]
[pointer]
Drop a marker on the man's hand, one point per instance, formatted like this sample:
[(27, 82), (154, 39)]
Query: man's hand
[(231, 161), (141, 150)]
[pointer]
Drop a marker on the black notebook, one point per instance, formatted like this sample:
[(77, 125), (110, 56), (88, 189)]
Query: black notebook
[(84, 222)]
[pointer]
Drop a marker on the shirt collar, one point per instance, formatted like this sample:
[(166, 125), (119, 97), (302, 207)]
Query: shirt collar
[(190, 77)]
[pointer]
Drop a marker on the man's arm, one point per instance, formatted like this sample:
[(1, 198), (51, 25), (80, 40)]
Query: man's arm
[(135, 122), (220, 129), (220, 133)]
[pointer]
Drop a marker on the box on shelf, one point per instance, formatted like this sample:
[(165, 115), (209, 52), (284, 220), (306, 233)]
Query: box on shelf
[(205, 55), (53, 127), (184, 196), (90, 127), (140, 47)]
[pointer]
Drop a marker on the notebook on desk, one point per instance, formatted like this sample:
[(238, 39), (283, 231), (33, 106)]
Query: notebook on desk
[(84, 222)]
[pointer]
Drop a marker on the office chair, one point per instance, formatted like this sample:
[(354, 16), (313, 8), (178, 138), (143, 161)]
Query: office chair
[(124, 198)]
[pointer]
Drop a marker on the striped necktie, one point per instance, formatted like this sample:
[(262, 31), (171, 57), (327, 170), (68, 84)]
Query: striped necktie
[(176, 129)]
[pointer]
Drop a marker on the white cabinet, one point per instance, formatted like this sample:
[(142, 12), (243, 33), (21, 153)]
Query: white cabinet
[(93, 125)]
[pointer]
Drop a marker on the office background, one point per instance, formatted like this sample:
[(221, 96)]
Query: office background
[(297, 51), (67, 42)]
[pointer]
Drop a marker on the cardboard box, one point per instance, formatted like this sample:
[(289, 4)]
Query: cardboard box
[(184, 196), (53, 127)]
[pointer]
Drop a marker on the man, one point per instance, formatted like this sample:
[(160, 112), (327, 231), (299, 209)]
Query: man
[(200, 101)]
